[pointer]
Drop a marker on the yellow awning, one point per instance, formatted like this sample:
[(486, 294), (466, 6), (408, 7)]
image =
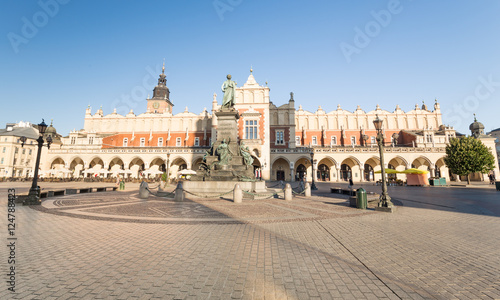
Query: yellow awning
[(409, 171), (414, 171), (387, 171)]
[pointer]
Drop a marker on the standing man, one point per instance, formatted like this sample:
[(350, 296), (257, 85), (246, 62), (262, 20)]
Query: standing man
[(228, 88)]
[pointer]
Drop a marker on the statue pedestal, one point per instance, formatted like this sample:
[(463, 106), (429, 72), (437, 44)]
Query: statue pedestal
[(227, 128), (226, 162)]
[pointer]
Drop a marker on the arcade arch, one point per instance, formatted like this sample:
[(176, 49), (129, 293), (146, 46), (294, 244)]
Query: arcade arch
[(76, 166), (136, 166), (281, 169)]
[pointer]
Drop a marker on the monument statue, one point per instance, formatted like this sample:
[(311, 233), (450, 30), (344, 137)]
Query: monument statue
[(224, 153), (208, 152), (245, 152), (228, 88)]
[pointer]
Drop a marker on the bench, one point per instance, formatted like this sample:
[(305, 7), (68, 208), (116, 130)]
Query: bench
[(337, 190), (55, 193), (71, 191)]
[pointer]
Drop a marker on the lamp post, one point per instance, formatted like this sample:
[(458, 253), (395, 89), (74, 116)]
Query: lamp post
[(384, 203), (313, 185), (168, 167), (33, 196)]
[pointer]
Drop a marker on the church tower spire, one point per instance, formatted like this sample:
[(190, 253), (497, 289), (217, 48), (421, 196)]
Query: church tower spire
[(160, 102)]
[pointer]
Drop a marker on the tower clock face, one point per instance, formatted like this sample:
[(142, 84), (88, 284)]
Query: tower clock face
[(156, 105)]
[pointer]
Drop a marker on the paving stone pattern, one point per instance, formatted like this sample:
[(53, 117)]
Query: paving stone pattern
[(122, 247)]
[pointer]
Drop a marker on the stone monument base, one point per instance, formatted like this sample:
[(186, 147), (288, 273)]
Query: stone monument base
[(216, 188)]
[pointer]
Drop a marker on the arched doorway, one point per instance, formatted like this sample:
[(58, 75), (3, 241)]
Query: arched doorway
[(323, 172), (136, 166), (345, 172), (76, 166), (281, 169), (301, 172), (392, 175), (116, 167), (369, 173)]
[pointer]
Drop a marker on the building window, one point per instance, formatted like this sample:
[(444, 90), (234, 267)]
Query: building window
[(1, 161), (314, 140), (333, 140), (3, 150), (160, 142), (196, 141), (125, 142), (143, 142), (73, 140), (353, 140), (297, 140), (16, 150), (91, 140), (24, 151), (373, 140), (210, 141), (429, 138), (178, 142), (280, 137), (251, 129), (29, 152)]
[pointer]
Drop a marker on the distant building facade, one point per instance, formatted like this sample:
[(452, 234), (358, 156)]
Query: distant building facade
[(287, 143)]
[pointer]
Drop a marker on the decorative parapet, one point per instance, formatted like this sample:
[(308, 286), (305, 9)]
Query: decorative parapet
[(171, 150), (358, 149)]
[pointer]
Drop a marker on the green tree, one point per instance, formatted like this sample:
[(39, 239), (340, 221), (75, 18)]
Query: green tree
[(468, 155)]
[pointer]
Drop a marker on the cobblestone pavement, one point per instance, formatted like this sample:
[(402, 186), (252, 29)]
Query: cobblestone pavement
[(440, 244)]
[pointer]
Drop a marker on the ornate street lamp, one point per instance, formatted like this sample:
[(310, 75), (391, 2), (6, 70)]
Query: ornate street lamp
[(313, 185), (384, 203), (34, 193)]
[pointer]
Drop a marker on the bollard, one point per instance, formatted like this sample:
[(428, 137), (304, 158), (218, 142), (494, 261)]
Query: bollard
[(143, 190), (288, 192), (307, 190), (237, 194), (179, 193)]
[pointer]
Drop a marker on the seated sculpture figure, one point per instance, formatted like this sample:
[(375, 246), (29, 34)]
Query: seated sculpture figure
[(247, 156)]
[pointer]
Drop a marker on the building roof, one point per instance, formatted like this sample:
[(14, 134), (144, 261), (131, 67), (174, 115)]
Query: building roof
[(28, 132)]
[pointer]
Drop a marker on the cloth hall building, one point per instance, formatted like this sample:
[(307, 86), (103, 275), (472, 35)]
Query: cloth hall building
[(287, 143)]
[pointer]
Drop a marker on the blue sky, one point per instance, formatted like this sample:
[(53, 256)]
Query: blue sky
[(327, 52)]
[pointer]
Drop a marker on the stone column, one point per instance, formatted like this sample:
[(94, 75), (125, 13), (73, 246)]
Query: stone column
[(292, 175), (361, 173)]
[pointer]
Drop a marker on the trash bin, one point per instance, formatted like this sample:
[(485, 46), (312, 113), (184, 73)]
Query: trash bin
[(361, 201)]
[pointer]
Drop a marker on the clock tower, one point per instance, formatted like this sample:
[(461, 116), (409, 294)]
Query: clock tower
[(160, 102)]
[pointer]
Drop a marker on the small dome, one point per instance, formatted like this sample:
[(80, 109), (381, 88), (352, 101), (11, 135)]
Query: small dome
[(476, 128), (50, 129)]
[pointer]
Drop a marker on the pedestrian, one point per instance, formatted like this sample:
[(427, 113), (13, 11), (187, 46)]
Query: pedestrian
[(492, 178), (350, 183)]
